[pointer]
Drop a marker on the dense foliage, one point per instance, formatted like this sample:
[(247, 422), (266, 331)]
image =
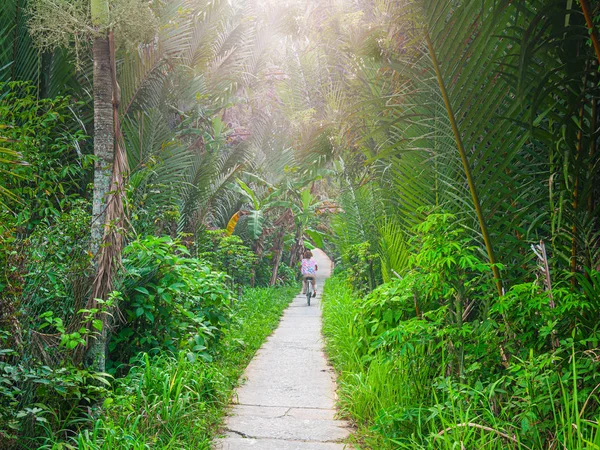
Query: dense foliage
[(47, 168), (155, 403), (158, 160), (172, 302), (433, 357), (468, 182), (173, 402)]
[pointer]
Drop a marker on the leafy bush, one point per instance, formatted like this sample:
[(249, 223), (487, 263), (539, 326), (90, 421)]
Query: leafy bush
[(12, 277), (58, 263), (362, 268), (443, 278), (388, 306), (44, 283), (228, 254), (37, 400), (262, 272), (433, 360), (46, 137), (286, 275), (171, 302), (43, 166)]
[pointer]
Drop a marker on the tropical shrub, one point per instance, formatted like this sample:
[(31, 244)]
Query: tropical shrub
[(286, 275), (58, 262), (36, 399), (12, 277), (443, 278), (262, 272), (48, 142), (228, 254), (44, 168), (385, 309), (170, 302), (362, 267), (432, 359)]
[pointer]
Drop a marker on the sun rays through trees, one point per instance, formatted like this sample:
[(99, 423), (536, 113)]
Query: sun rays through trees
[(164, 163)]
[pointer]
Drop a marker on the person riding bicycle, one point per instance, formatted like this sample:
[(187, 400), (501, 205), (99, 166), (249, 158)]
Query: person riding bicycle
[(308, 268)]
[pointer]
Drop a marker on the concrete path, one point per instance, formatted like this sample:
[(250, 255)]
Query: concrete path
[(288, 401)]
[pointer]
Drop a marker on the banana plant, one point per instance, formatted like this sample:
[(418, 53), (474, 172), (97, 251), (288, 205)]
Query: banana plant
[(297, 211), (259, 206), (306, 208)]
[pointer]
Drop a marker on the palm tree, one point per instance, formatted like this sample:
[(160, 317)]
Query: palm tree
[(58, 24), (464, 120), (451, 108), (176, 97)]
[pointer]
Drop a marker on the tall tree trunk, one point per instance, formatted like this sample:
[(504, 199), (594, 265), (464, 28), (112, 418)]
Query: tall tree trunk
[(104, 147), (104, 151), (258, 248), (297, 247), (278, 253)]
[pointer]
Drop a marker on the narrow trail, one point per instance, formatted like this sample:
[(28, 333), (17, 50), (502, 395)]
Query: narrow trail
[(288, 400)]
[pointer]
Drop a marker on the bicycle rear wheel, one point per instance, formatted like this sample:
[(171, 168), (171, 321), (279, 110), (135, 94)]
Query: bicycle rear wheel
[(308, 293)]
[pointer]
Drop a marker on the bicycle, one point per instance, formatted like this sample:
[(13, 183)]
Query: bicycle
[(309, 289)]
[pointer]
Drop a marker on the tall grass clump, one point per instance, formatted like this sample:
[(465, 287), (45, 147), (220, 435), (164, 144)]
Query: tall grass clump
[(338, 324), (433, 359), (374, 387)]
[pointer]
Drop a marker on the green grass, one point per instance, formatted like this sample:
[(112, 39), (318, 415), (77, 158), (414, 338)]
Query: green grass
[(169, 402), (358, 396), (388, 395), (401, 397)]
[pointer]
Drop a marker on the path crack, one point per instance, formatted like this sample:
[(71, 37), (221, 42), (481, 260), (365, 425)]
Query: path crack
[(241, 433), (284, 406), (274, 438)]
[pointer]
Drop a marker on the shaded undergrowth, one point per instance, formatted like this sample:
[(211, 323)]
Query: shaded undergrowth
[(172, 402)]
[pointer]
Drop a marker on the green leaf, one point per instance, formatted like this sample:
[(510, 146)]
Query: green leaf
[(71, 344), (317, 237), (143, 290), (249, 193), (149, 316)]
